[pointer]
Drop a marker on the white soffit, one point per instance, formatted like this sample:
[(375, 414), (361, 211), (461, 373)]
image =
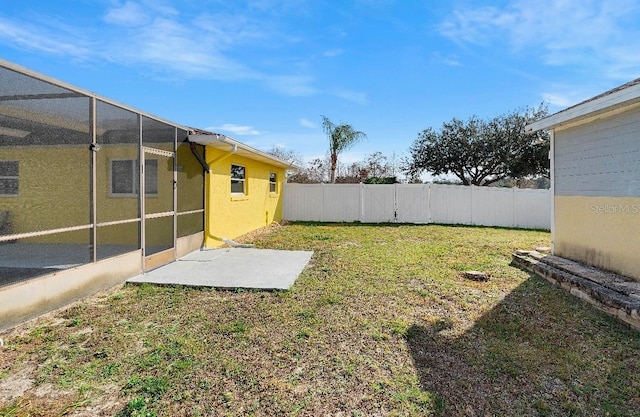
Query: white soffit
[(223, 142)]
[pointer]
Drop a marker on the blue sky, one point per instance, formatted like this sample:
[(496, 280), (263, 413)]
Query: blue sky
[(264, 71)]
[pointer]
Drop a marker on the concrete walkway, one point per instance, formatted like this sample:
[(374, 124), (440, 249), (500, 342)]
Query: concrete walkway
[(265, 269)]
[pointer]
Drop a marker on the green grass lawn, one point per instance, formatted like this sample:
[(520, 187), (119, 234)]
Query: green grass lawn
[(380, 323)]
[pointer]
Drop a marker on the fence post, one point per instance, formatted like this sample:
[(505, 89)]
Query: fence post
[(471, 204), (361, 217), (395, 203), (513, 207), (429, 218), (324, 208)]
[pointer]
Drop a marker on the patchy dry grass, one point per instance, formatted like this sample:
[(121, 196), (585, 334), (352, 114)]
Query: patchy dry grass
[(380, 323)]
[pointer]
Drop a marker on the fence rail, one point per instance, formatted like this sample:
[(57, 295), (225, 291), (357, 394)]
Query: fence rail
[(418, 203)]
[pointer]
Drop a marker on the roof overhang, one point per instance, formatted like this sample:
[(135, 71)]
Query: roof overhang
[(225, 143), (612, 101)]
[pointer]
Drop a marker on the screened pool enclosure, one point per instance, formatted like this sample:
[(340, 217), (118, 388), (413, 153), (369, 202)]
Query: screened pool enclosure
[(84, 180)]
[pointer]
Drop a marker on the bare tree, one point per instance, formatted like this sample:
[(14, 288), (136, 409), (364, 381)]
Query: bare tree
[(287, 155)]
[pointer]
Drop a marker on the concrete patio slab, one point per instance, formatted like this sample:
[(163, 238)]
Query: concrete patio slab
[(265, 269)]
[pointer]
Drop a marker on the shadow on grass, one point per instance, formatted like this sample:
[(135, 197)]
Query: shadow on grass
[(539, 351)]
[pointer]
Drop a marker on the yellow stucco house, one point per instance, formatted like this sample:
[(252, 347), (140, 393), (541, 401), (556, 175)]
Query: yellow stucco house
[(595, 180), (243, 188), (93, 192)]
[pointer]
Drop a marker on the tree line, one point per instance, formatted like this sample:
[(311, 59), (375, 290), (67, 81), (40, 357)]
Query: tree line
[(482, 152), (375, 168)]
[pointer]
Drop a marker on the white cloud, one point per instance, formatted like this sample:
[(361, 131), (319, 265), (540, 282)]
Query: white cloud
[(163, 7), (557, 99), (154, 36), (599, 35), (231, 29), (291, 85), (307, 123), (561, 96), (239, 130), (164, 38), (475, 25), (353, 96), (146, 35), (449, 60), (129, 14), (330, 53), (63, 41)]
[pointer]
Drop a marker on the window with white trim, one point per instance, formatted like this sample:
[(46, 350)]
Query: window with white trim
[(238, 179), (273, 182), (9, 177), (125, 177)]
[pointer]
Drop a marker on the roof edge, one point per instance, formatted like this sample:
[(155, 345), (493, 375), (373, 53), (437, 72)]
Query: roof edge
[(210, 138), (89, 94), (618, 97)]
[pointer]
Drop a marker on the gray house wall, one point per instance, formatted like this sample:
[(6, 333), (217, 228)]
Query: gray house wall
[(597, 191), (600, 158)]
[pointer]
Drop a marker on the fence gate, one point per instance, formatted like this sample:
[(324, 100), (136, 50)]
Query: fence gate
[(418, 203)]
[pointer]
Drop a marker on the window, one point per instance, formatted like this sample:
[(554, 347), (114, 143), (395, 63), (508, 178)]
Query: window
[(9, 177), (273, 183), (238, 179), (125, 177)]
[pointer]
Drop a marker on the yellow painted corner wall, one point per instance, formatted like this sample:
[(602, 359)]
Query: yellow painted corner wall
[(230, 216), (599, 231)]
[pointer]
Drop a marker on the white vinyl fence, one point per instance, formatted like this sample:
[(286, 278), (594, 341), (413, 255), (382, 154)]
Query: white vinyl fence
[(418, 203)]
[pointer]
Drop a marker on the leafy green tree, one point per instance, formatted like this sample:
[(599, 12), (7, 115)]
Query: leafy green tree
[(480, 152), (381, 180), (341, 137)]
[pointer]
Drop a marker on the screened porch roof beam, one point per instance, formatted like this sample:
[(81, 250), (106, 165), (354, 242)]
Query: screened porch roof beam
[(40, 96)]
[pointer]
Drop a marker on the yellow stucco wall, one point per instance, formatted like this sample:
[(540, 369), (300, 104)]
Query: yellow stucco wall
[(54, 193), (600, 231), (230, 215), (53, 188)]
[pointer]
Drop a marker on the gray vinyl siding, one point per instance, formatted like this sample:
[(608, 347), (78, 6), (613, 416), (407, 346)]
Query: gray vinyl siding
[(600, 158)]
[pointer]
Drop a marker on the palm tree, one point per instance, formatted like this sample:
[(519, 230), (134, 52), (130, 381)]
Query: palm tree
[(341, 137)]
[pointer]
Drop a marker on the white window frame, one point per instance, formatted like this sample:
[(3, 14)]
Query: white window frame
[(135, 173), (242, 180), (273, 185), (15, 177)]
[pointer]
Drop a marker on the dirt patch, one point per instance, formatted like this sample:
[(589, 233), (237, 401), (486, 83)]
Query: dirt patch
[(110, 403), (259, 233), (16, 383), (49, 391)]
